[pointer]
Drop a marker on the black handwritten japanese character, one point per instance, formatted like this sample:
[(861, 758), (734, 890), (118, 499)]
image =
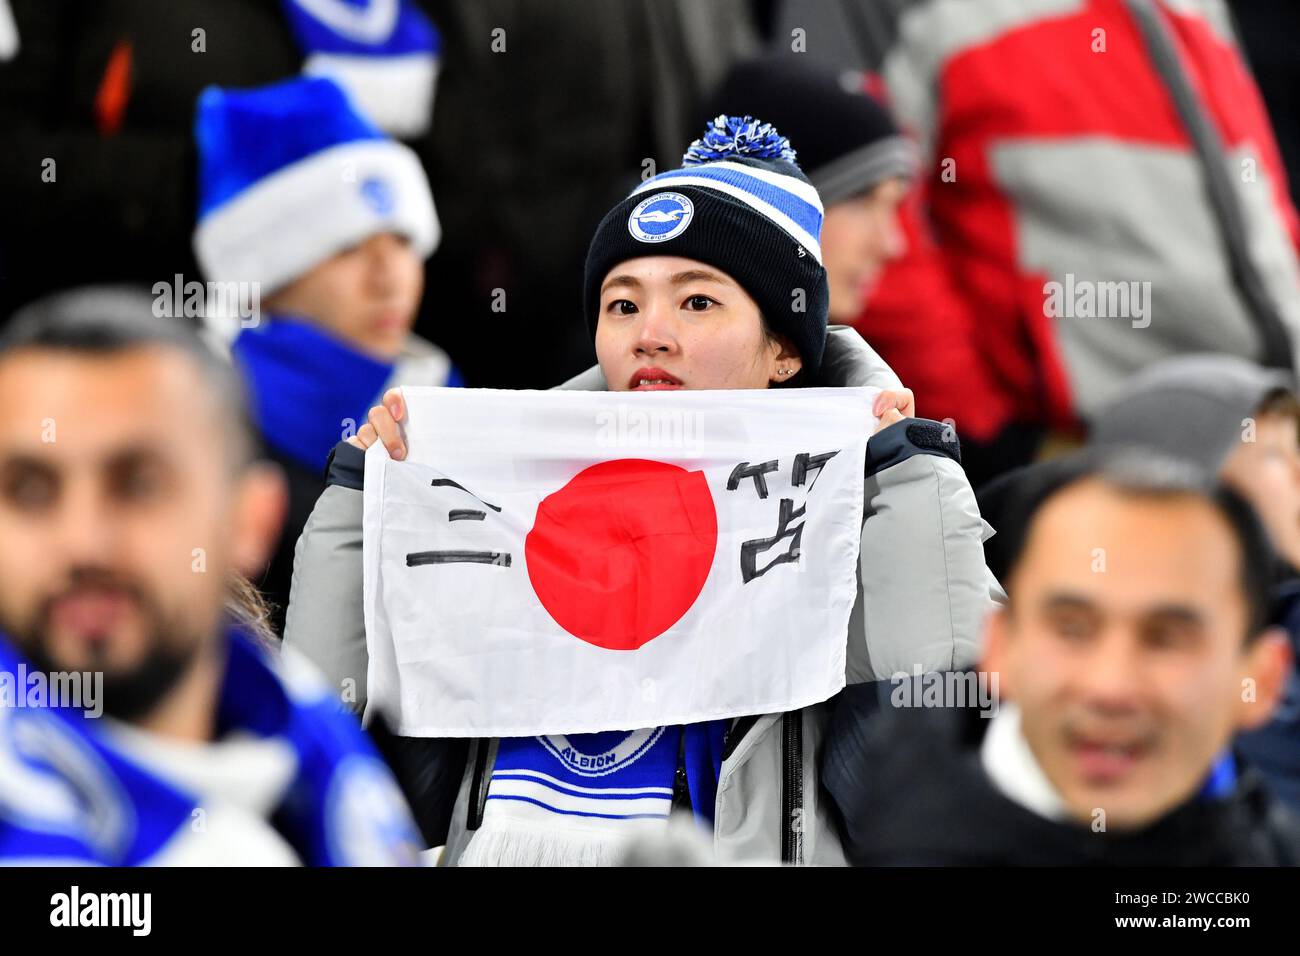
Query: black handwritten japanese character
[(746, 470), (498, 558), (750, 550), (804, 462)]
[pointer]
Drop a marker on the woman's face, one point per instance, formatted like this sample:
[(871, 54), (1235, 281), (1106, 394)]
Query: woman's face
[(668, 322)]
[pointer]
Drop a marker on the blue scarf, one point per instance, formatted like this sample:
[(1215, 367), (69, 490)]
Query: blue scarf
[(385, 53), (577, 800), (306, 386), (1221, 781), (69, 793)]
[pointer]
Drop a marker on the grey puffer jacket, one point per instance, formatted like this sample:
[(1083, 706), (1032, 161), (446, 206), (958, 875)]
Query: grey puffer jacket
[(922, 596)]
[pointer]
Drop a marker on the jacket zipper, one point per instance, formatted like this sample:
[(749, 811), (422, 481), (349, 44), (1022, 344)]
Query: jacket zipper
[(792, 823), (477, 798)]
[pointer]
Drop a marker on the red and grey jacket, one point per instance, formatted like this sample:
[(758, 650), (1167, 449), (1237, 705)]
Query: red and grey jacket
[(1064, 234)]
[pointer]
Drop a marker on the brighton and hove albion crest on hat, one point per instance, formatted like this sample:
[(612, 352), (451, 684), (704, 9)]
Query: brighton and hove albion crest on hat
[(660, 217), (378, 194)]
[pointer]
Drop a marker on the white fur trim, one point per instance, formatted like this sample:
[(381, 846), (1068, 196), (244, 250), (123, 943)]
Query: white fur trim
[(396, 92), (8, 33), (298, 216)]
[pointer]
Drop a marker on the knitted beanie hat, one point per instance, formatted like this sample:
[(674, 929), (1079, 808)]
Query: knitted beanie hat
[(739, 203), (848, 142)]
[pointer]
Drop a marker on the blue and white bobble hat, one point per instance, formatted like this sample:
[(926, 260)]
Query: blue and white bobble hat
[(291, 174), (385, 53), (740, 203)]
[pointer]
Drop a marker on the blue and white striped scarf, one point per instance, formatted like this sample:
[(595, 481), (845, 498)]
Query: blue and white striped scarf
[(578, 800), (70, 793)]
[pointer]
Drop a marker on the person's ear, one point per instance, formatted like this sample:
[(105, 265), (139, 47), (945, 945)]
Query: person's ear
[(261, 503), (785, 360), (1266, 666), (993, 657)]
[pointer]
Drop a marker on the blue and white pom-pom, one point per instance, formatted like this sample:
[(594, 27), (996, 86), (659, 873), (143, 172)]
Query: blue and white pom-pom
[(731, 137)]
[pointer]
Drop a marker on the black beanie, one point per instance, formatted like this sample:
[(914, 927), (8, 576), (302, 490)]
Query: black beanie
[(847, 140), (738, 203)]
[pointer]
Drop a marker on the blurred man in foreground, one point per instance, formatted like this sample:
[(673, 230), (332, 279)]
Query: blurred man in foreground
[(1232, 418), (1134, 647), (129, 499)]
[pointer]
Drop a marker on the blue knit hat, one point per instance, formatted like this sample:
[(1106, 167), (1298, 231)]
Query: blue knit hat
[(384, 53), (292, 173), (740, 203)]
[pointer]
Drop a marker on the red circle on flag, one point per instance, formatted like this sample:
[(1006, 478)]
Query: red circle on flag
[(620, 553)]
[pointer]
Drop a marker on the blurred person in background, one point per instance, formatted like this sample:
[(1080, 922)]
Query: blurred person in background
[(863, 167), (129, 498), (304, 199), (852, 152), (1240, 422), (97, 102), (107, 90), (1133, 648), (1095, 144)]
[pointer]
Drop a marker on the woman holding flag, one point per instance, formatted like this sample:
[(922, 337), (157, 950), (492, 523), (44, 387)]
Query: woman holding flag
[(705, 277)]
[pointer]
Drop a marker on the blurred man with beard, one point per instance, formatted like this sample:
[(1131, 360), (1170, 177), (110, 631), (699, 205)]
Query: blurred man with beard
[(1133, 648), (129, 497)]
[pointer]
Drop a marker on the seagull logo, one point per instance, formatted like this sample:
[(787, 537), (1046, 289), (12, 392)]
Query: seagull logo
[(661, 217)]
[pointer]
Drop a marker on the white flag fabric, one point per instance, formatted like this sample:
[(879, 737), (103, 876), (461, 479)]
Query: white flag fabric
[(560, 562)]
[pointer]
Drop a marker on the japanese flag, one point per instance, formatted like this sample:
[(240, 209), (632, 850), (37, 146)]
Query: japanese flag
[(558, 562)]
